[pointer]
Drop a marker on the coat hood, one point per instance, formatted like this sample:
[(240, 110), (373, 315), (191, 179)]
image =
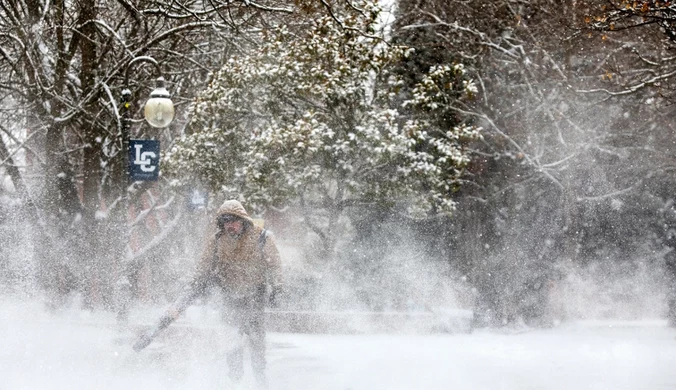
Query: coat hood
[(233, 207)]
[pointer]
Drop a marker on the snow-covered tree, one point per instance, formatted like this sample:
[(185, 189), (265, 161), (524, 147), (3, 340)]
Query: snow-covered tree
[(576, 150), (316, 115)]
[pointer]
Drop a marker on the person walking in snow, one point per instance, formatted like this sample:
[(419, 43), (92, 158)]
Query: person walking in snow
[(243, 261)]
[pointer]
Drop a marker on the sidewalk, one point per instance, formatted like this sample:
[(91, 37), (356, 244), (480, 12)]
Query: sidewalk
[(325, 322), (358, 322), (75, 349)]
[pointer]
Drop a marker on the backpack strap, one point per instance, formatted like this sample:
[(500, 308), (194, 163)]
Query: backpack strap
[(261, 241), (261, 248)]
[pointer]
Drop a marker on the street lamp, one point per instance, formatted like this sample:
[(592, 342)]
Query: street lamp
[(158, 112), (159, 109)]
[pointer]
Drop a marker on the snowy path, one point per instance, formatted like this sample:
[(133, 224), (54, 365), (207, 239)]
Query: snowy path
[(83, 351), (641, 357)]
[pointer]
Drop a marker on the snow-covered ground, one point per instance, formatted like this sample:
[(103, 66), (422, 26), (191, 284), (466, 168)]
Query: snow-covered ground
[(80, 350)]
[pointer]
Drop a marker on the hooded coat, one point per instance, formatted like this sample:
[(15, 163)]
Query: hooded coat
[(243, 264)]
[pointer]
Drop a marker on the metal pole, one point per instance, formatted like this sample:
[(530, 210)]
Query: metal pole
[(126, 124), (124, 292), (151, 60)]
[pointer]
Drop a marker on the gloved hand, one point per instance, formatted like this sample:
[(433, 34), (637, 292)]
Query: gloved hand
[(275, 296), (143, 341)]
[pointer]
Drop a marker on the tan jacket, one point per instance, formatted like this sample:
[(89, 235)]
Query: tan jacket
[(238, 264)]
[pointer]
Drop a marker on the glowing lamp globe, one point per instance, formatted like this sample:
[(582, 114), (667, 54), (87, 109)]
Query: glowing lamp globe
[(159, 110)]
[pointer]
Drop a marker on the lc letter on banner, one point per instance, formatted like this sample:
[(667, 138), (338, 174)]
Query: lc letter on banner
[(144, 160)]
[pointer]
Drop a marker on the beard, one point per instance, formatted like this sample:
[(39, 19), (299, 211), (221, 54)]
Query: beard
[(234, 233)]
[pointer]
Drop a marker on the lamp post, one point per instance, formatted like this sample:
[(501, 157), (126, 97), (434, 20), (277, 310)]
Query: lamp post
[(158, 112)]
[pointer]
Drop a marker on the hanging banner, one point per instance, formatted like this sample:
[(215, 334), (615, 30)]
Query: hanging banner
[(144, 160)]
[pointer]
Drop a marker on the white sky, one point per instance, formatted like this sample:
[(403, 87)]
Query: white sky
[(81, 350)]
